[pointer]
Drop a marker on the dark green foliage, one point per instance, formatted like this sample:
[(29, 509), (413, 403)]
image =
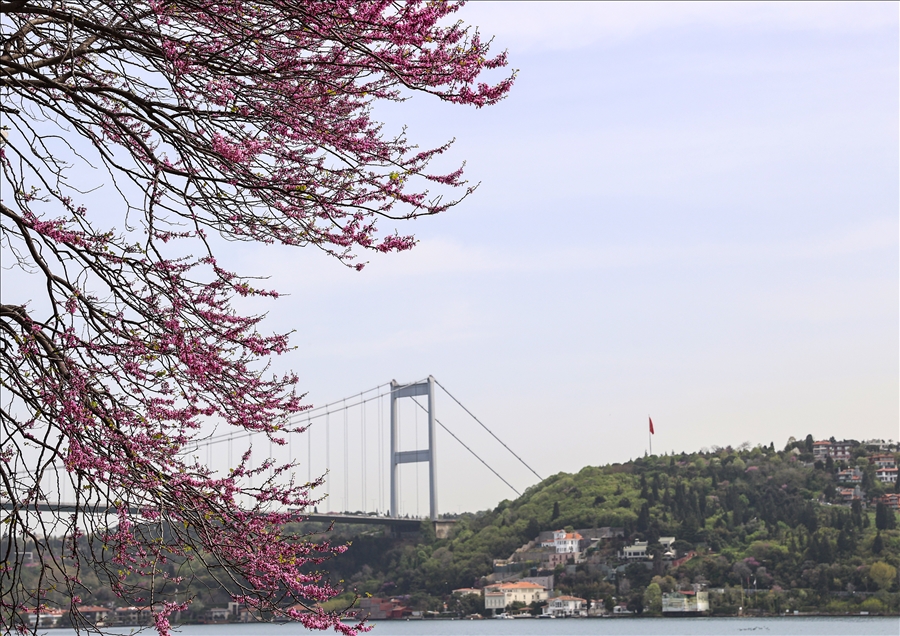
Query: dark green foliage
[(877, 544), (885, 519)]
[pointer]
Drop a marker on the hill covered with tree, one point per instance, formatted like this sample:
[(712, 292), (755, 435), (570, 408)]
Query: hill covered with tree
[(773, 523), (763, 529)]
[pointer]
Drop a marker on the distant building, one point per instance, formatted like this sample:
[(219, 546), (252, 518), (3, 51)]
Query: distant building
[(44, 617), (564, 542), (378, 608), (883, 461), (886, 475), (467, 591), (880, 444), (562, 606), (850, 476), (667, 545), (693, 602), (636, 551), (842, 450), (891, 500), (849, 494), (133, 615), (544, 581), (821, 450), (502, 595), (94, 613), (217, 614)]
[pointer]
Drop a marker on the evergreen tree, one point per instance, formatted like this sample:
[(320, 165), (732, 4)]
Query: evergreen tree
[(880, 516), (643, 520), (877, 544), (808, 443)]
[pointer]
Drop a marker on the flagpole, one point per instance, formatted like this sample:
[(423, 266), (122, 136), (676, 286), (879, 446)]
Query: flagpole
[(650, 438)]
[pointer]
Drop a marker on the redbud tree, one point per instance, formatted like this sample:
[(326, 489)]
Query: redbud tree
[(207, 121)]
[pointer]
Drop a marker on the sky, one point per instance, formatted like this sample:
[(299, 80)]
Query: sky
[(686, 211)]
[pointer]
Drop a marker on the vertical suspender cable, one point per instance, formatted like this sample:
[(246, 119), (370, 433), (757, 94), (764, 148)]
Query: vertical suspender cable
[(346, 461), (417, 467), (328, 460), (381, 452), (362, 430)]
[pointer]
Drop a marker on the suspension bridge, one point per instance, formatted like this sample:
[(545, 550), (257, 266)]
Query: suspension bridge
[(365, 446)]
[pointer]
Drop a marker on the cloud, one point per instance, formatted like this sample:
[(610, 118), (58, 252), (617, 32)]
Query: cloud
[(572, 25), (441, 256)]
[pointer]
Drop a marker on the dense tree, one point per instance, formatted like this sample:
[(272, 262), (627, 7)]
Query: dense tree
[(212, 121)]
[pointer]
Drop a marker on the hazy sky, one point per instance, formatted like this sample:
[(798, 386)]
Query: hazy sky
[(686, 211)]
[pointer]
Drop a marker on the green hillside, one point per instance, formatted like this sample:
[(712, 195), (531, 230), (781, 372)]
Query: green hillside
[(774, 524), (773, 519)]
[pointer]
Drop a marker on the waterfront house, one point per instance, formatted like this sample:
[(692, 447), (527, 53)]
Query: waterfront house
[(563, 606), (44, 617), (502, 595)]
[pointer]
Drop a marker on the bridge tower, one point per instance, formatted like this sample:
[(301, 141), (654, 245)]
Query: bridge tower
[(426, 387)]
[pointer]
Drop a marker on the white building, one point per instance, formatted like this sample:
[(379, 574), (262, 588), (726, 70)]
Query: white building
[(502, 595), (886, 475), (566, 606), (667, 544), (636, 551), (44, 618), (694, 601), (564, 542)]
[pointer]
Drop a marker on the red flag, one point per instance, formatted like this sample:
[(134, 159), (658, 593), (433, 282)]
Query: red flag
[(652, 432)]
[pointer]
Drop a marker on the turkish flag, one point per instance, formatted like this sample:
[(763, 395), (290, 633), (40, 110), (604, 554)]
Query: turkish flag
[(652, 432)]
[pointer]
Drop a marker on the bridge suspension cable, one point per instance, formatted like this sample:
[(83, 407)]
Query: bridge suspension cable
[(474, 454), (488, 430)]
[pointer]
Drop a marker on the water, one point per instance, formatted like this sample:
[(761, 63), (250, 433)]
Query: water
[(781, 626)]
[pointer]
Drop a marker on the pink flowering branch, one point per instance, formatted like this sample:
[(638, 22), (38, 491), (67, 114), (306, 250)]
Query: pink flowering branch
[(250, 120)]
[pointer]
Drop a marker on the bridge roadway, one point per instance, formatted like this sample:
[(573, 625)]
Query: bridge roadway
[(397, 524)]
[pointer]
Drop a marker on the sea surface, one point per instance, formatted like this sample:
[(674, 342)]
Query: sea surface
[(781, 626)]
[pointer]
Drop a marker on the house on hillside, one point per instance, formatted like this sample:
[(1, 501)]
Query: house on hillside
[(850, 477), (883, 460), (636, 551), (886, 475), (563, 606), (564, 542), (847, 495), (842, 450), (891, 500)]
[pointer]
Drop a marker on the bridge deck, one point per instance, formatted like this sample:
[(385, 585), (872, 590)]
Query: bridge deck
[(406, 524)]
